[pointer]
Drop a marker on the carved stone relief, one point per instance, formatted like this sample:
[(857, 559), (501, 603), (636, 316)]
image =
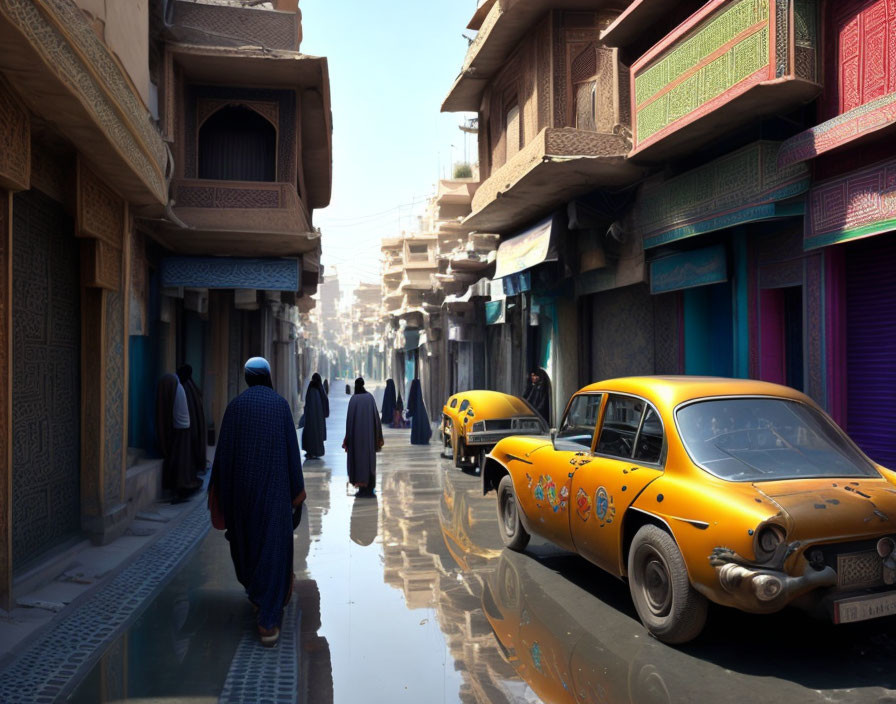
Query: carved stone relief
[(100, 211)]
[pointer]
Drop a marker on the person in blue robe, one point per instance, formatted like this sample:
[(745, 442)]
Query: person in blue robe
[(317, 409), (259, 487), (388, 409), (421, 430), (363, 439)]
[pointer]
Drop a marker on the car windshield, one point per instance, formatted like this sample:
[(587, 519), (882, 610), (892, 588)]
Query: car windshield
[(764, 439)]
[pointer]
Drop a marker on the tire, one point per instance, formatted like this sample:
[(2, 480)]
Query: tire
[(669, 607), (513, 533)]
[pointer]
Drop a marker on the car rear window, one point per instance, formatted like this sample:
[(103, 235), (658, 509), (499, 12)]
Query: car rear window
[(764, 439)]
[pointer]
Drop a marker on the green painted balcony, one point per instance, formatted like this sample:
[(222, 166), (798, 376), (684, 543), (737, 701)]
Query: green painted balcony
[(727, 64)]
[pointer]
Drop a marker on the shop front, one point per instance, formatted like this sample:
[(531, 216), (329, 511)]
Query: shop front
[(852, 225)]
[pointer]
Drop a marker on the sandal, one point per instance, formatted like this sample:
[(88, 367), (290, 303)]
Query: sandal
[(270, 637)]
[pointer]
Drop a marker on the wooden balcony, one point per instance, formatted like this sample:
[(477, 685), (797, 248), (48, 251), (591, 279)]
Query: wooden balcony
[(555, 167), (729, 63), (240, 218)]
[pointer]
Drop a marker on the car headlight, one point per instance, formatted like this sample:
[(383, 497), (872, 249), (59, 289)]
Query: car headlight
[(479, 426), (767, 540)]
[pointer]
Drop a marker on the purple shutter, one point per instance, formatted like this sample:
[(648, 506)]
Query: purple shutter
[(871, 346)]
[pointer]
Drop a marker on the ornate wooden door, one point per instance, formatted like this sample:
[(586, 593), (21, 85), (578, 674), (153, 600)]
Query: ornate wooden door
[(46, 389)]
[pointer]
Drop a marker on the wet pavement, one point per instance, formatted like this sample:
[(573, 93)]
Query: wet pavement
[(410, 597)]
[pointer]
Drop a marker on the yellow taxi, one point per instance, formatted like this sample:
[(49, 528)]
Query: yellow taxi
[(693, 489), (473, 421)]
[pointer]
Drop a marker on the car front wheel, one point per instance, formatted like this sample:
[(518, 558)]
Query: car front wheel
[(669, 607), (513, 533)]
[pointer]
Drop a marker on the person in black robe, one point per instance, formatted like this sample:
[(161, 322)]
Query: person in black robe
[(198, 428), (363, 439), (538, 393), (388, 410), (327, 388), (324, 397), (316, 410), (397, 419), (421, 430), (259, 489), (173, 436)]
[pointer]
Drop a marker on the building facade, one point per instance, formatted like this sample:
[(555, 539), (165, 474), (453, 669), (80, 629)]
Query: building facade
[(135, 238)]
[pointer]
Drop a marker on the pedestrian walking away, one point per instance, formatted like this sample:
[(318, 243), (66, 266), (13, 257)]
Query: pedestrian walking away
[(388, 410), (175, 441), (258, 488), (327, 390), (317, 409), (363, 439), (421, 430)]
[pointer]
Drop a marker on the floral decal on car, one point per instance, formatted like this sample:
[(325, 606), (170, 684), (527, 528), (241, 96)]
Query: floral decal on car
[(583, 504)]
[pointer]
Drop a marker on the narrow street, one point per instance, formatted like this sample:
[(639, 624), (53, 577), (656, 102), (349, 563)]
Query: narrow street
[(400, 599)]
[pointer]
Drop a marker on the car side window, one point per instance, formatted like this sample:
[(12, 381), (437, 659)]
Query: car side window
[(453, 403), (577, 429), (620, 428), (649, 445), (464, 406)]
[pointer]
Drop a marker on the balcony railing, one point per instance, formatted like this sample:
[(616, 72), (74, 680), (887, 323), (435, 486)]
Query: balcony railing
[(271, 212), (730, 62)]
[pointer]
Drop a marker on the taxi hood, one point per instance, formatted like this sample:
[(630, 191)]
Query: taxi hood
[(834, 508)]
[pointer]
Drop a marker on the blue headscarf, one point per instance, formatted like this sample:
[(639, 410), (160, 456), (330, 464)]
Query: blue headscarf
[(258, 372)]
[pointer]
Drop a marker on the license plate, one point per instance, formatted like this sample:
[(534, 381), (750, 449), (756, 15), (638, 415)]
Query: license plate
[(862, 608)]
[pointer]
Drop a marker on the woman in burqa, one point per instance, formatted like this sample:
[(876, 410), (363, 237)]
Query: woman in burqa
[(173, 434), (538, 393), (363, 439), (388, 403), (316, 410), (198, 428), (397, 420), (258, 485), (327, 387), (421, 430)]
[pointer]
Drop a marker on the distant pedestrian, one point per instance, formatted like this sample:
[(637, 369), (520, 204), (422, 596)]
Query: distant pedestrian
[(198, 428), (398, 414), (173, 434), (363, 439), (388, 408), (317, 408), (421, 430), (327, 387), (259, 489), (538, 393)]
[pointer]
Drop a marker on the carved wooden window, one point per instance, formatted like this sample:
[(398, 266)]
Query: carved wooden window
[(864, 53), (237, 144), (583, 73), (512, 130)]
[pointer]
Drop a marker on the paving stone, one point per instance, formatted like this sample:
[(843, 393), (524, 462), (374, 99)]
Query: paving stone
[(68, 650)]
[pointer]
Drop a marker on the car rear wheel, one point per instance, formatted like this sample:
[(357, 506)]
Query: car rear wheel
[(669, 607), (513, 533)]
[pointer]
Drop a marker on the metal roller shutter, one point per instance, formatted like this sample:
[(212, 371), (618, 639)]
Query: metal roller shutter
[(871, 346)]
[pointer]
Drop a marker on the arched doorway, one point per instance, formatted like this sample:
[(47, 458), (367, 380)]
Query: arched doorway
[(237, 144)]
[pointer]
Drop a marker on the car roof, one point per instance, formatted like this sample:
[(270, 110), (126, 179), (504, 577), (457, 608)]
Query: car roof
[(495, 404), (669, 391)]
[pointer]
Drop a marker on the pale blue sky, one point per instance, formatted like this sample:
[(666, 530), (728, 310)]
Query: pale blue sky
[(391, 64)]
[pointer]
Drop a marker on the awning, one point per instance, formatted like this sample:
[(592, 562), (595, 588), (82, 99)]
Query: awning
[(859, 204), (700, 267), (871, 120), (743, 186), (232, 272), (531, 248), (495, 313)]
